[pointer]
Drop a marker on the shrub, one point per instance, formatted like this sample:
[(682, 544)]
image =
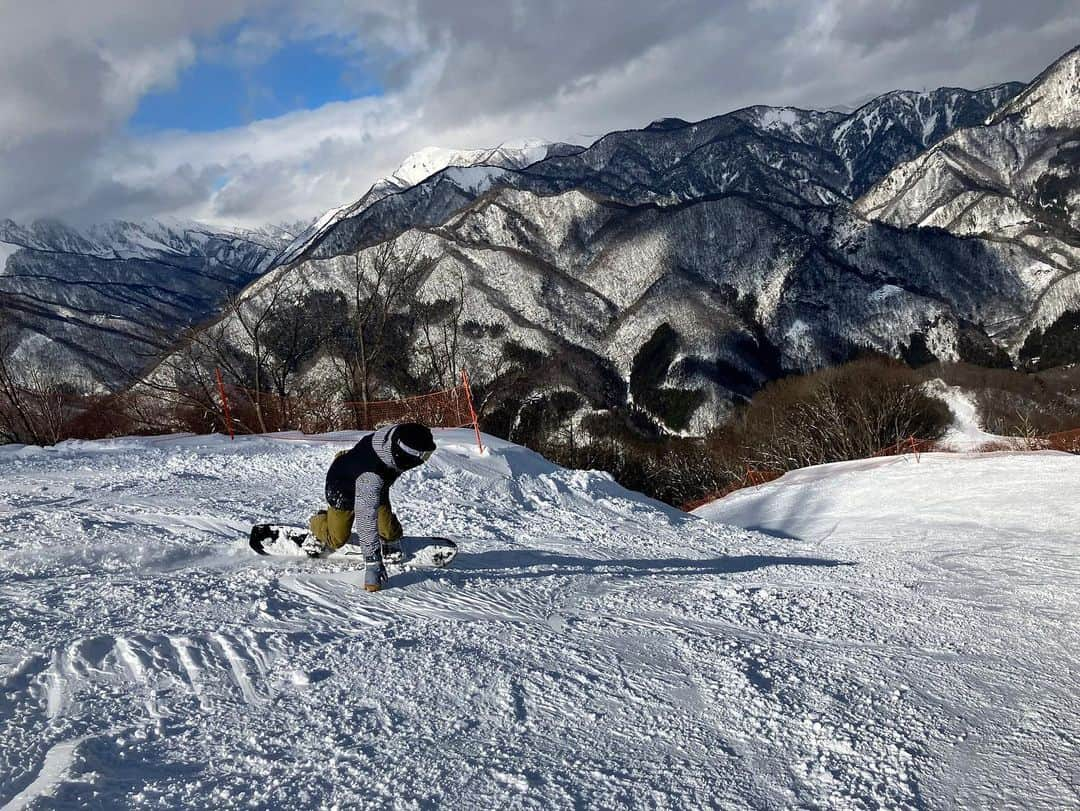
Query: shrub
[(847, 412), (674, 470)]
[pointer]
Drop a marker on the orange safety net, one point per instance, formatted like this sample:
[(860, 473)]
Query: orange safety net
[(751, 478), (253, 411), (440, 409), (909, 445), (1068, 441), (52, 415)]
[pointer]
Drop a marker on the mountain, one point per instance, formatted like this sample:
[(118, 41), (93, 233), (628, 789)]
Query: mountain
[(776, 154), (666, 272), (1014, 179), (419, 167), (93, 306), (886, 130)]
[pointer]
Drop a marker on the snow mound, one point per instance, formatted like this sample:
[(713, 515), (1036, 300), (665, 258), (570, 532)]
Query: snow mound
[(589, 647), (971, 570)]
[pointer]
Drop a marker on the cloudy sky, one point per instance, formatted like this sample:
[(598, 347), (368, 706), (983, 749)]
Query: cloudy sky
[(254, 111)]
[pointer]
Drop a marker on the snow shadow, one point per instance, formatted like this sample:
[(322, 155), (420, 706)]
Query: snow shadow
[(510, 565)]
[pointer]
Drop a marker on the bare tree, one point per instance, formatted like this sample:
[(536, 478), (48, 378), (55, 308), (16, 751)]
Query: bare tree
[(34, 407), (380, 281), (440, 325), (848, 412), (16, 419), (184, 382), (255, 314)]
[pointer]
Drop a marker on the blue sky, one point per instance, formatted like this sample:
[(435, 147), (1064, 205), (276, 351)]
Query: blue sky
[(221, 89)]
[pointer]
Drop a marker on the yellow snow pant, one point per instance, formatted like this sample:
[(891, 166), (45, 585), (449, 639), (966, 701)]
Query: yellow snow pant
[(332, 527), (389, 526)]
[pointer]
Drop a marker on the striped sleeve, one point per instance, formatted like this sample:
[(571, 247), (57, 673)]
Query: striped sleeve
[(369, 488)]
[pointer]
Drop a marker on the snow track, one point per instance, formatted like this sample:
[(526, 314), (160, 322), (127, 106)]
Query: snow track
[(588, 648)]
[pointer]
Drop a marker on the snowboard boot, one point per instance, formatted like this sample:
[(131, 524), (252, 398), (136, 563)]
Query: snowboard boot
[(375, 576)]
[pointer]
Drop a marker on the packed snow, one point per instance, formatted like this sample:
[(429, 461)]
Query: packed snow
[(900, 634), (959, 630)]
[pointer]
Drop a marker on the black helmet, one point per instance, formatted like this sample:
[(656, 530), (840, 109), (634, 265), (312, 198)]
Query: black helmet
[(411, 445)]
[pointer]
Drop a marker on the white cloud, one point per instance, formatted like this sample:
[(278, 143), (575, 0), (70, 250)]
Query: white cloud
[(456, 74)]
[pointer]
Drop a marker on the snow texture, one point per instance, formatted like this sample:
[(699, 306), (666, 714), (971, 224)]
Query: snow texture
[(956, 635), (589, 648)]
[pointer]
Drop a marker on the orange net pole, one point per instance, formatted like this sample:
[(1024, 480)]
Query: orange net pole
[(472, 411)]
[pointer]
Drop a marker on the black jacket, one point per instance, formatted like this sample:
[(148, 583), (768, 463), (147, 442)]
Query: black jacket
[(349, 468)]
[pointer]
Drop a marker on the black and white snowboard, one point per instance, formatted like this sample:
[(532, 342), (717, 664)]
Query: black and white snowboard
[(418, 553)]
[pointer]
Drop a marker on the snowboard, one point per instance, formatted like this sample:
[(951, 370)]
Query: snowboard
[(418, 553)]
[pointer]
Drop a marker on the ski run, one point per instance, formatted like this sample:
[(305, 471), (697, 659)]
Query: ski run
[(897, 633)]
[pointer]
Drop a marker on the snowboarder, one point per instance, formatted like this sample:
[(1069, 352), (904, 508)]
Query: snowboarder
[(358, 489)]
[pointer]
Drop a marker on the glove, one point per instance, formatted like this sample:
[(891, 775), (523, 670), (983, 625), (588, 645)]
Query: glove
[(313, 547), (375, 576), (389, 526)]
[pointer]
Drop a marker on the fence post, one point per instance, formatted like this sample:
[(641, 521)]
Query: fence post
[(472, 410), (225, 404)]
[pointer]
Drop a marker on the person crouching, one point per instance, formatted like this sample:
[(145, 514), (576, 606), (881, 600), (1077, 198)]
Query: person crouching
[(358, 496)]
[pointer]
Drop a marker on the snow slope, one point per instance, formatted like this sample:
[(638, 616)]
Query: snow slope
[(965, 606), (966, 432), (590, 647)]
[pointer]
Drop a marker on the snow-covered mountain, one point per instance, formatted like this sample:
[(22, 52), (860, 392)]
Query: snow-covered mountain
[(510, 155), (707, 299), (678, 267), (785, 154), (675, 268), (898, 635), (93, 306), (1014, 179), (886, 130), (483, 163)]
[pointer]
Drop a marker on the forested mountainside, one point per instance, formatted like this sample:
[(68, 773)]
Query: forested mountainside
[(665, 273), (93, 307), (1015, 180)]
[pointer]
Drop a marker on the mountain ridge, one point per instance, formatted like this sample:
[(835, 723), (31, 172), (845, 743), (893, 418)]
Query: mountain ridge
[(1014, 179), (91, 307), (670, 271), (357, 233)]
